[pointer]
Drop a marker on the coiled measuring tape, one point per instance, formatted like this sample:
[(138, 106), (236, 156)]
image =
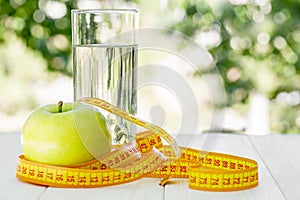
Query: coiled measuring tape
[(147, 157)]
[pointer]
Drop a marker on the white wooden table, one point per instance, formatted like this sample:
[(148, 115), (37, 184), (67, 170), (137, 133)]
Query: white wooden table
[(279, 172)]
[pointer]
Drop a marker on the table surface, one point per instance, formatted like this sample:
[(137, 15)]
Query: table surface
[(277, 155)]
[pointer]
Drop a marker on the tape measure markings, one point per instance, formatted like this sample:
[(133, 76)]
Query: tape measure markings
[(147, 157)]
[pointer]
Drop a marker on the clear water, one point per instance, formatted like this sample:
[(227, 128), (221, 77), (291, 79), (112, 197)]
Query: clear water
[(108, 72)]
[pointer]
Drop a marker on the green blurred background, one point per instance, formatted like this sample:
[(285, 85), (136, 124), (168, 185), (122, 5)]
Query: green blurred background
[(254, 44)]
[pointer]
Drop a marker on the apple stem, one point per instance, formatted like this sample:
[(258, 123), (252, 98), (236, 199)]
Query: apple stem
[(59, 106)]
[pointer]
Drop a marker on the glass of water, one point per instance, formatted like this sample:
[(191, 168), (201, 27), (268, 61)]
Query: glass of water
[(105, 62)]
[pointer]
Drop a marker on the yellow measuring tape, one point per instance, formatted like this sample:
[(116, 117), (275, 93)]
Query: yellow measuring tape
[(147, 157)]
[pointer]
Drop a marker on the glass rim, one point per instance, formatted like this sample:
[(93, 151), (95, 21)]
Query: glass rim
[(100, 11)]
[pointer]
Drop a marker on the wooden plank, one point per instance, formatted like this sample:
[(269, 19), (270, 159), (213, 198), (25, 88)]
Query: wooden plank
[(226, 143), (281, 156), (283, 166), (10, 145), (10, 186), (146, 189)]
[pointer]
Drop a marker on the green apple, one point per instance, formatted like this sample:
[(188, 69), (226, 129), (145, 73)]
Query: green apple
[(65, 134)]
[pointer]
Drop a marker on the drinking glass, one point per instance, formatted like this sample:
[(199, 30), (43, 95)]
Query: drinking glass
[(105, 62)]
